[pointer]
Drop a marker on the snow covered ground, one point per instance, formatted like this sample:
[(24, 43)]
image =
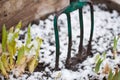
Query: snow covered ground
[(107, 25)]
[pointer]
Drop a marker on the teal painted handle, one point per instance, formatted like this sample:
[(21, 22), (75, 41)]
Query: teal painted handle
[(72, 7)]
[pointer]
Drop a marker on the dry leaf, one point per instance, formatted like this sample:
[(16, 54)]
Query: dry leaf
[(106, 69)]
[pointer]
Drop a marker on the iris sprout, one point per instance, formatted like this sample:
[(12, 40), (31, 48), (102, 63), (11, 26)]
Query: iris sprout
[(27, 55)]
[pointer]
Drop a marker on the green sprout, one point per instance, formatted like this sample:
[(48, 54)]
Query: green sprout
[(114, 76), (13, 34), (4, 59), (25, 57), (33, 63), (99, 60), (4, 38), (110, 75), (115, 46), (20, 55), (28, 40), (3, 70)]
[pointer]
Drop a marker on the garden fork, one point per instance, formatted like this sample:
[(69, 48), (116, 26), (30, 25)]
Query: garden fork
[(72, 7)]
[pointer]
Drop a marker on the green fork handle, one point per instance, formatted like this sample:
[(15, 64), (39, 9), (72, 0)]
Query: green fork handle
[(73, 6)]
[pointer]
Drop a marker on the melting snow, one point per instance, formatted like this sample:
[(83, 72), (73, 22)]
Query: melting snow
[(107, 25)]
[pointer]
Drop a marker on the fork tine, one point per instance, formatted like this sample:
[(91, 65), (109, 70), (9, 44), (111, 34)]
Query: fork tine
[(81, 31), (69, 40), (73, 6), (92, 27), (57, 42)]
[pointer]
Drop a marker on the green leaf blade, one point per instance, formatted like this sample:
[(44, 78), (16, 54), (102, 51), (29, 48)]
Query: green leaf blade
[(20, 55), (28, 40), (97, 67), (4, 38)]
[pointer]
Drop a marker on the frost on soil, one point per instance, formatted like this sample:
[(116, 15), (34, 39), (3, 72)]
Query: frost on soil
[(107, 25)]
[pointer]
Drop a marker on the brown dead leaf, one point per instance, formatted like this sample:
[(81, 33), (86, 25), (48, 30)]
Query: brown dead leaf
[(106, 69)]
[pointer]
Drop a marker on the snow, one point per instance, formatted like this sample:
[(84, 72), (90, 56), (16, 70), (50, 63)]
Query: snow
[(107, 25), (10, 35)]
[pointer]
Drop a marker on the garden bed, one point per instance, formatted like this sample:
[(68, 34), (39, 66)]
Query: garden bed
[(107, 26)]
